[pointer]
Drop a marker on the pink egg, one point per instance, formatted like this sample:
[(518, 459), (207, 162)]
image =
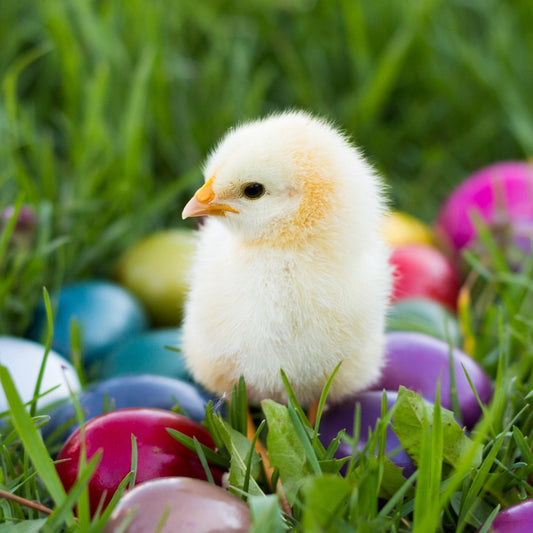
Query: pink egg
[(502, 194), (179, 504)]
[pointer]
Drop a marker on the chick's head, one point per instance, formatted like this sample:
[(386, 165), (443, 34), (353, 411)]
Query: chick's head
[(276, 180)]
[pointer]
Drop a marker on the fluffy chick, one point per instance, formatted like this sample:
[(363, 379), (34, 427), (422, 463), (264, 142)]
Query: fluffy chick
[(291, 269)]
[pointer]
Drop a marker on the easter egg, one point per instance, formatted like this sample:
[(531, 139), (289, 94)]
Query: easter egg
[(155, 269), (158, 453), (127, 391), (105, 312), (402, 228), (23, 359), (147, 353), (501, 194), (515, 519), (25, 225), (341, 416), (419, 362), (422, 271), (180, 504), (425, 316)]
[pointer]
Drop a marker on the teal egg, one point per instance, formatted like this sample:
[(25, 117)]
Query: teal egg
[(424, 316), (105, 312), (152, 352)]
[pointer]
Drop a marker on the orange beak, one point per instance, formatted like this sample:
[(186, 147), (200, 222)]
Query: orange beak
[(203, 203)]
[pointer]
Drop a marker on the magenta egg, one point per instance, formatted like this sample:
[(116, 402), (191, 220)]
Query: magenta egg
[(515, 519), (419, 362), (502, 194)]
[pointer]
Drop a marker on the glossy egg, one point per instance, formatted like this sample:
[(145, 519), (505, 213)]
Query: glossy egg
[(105, 312), (425, 316), (128, 391), (188, 505), (515, 519), (418, 361), (402, 228), (23, 359), (158, 453), (422, 271), (502, 194), (146, 353), (341, 416), (155, 269)]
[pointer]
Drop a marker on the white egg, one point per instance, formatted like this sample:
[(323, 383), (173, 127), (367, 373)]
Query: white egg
[(23, 359)]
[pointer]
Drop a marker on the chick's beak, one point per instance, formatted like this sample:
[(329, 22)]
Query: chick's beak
[(204, 203)]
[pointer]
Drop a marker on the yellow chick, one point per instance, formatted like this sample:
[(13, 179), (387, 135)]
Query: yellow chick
[(291, 270)]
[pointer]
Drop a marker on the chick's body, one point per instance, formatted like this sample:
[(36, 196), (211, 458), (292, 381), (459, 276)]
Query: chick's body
[(292, 270)]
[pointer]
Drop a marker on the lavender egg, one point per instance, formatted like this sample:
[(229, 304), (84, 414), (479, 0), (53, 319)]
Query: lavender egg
[(419, 362)]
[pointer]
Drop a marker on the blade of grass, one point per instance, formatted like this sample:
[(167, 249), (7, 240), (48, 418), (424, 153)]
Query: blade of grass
[(33, 443)]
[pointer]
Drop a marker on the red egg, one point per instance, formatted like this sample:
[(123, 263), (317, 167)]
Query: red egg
[(515, 519), (424, 272), (180, 504), (158, 453), (501, 194)]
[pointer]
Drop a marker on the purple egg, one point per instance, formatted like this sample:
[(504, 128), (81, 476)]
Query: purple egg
[(341, 416), (181, 504), (502, 194), (25, 225), (417, 361), (515, 519)]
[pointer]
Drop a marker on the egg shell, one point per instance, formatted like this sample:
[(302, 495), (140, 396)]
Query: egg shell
[(425, 316), (144, 354), (156, 269), (127, 391), (105, 312), (422, 271), (499, 193), (515, 519), (193, 506), (23, 359), (158, 453), (402, 228), (341, 416), (418, 361)]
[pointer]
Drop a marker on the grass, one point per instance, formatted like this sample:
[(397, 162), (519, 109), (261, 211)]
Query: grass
[(106, 112)]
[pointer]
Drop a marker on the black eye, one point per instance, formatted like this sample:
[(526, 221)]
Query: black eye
[(253, 190)]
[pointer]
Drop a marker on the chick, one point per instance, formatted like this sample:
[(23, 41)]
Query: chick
[(291, 270)]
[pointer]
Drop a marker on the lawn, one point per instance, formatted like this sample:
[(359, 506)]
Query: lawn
[(107, 111)]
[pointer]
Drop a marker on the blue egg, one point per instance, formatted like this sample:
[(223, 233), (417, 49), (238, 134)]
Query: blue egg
[(127, 391), (152, 352), (105, 312)]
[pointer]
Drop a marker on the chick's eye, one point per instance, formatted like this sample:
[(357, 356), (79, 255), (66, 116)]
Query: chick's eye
[(253, 190)]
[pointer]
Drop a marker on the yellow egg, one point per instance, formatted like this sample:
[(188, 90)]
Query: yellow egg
[(401, 228), (155, 270)]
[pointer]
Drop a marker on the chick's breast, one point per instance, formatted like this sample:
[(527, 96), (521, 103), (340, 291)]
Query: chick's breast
[(256, 307)]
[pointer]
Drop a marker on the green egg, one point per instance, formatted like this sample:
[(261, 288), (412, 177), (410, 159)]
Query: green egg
[(424, 316)]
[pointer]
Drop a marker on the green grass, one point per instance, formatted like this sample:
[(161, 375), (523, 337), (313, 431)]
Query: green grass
[(107, 110)]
